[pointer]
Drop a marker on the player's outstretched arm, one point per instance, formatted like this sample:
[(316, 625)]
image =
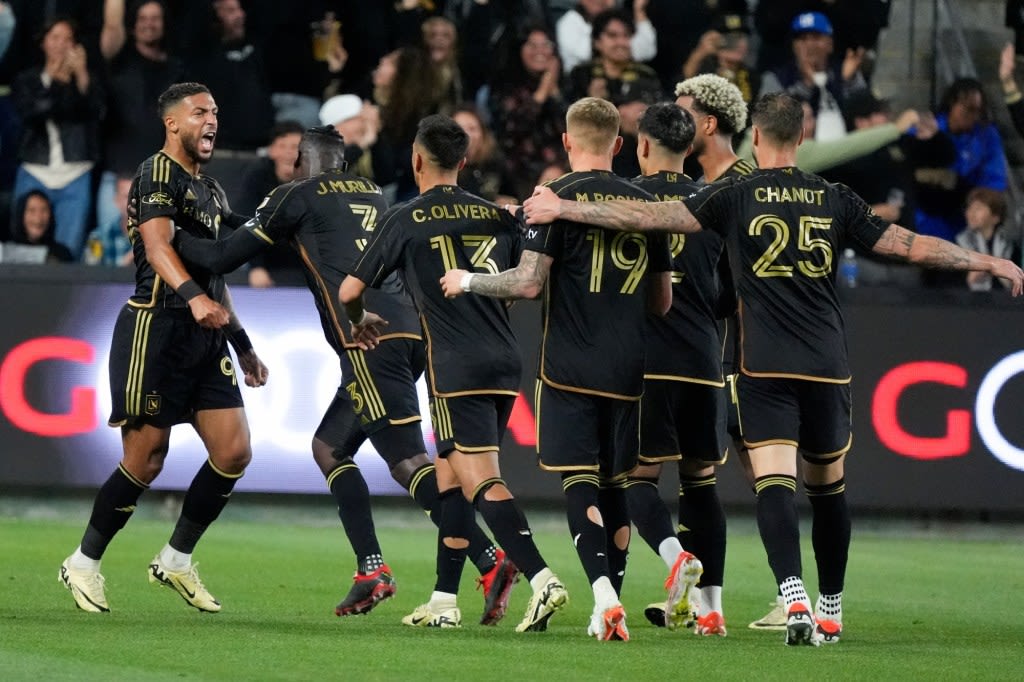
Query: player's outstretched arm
[(627, 216), (222, 255), (526, 280), (932, 252)]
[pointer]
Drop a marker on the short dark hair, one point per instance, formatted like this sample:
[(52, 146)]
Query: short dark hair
[(960, 88), (443, 139), (600, 23), (177, 92), (779, 116), (669, 125), (994, 199)]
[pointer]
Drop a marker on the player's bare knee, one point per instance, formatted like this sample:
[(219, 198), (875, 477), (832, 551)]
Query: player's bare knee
[(594, 515), (455, 543), (403, 471), (621, 538), (491, 489)]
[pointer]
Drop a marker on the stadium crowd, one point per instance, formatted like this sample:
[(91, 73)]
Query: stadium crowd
[(79, 81)]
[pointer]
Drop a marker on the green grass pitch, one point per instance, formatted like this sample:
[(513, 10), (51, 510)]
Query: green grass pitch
[(919, 606)]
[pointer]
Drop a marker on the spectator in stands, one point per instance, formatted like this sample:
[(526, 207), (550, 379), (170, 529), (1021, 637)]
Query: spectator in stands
[(884, 178), (528, 110), (985, 213), (575, 32), (34, 225), (1011, 91), (441, 43), (857, 23), (108, 244), (61, 102), (279, 264), (298, 75), (139, 68), (613, 74), (552, 171), (679, 24), (233, 62), (484, 172), (366, 151), (723, 51), (980, 161), (812, 75)]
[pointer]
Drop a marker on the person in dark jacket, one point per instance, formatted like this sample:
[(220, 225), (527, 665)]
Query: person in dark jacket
[(34, 225)]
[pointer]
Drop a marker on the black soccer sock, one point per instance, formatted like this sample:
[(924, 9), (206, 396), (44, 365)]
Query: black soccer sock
[(456, 518), (423, 489), (777, 522), (701, 511), (615, 514), (510, 529), (581, 494), (112, 508), (648, 512), (353, 499), (830, 534), (204, 501)]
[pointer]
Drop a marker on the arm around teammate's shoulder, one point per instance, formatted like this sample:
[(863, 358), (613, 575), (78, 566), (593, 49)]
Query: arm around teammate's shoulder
[(627, 216), (526, 280)]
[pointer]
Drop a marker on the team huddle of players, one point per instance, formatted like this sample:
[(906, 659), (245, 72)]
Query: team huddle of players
[(638, 279)]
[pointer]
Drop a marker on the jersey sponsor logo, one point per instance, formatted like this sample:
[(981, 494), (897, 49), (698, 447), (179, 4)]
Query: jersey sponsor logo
[(158, 199)]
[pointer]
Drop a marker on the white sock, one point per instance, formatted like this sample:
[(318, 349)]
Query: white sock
[(174, 560), (830, 607), (710, 599), (605, 596), (538, 581), (669, 549), (442, 600), (794, 593), (80, 562)]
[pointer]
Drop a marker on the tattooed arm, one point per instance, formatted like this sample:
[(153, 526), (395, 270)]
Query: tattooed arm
[(931, 252), (628, 216), (526, 280)]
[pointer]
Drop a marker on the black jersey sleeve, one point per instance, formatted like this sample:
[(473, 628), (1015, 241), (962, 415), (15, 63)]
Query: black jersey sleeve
[(546, 239), (155, 189), (221, 255), (279, 214), (383, 253), (709, 205), (862, 225)]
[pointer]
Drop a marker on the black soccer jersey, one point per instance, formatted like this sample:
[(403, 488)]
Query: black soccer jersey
[(685, 345), (329, 219), (470, 344), (195, 203), (785, 230), (730, 325), (595, 299)]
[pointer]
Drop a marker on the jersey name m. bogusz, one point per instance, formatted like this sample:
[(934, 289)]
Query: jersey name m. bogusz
[(595, 299), (471, 348), (785, 230), (162, 187), (685, 344), (329, 219)]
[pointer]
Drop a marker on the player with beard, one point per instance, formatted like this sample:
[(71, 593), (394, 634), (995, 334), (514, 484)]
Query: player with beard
[(327, 215), (169, 361), (783, 229)]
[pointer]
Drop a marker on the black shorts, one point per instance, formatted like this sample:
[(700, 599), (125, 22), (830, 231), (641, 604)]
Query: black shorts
[(164, 368), (378, 401), (812, 415), (682, 419), (470, 423), (732, 424), (586, 432)]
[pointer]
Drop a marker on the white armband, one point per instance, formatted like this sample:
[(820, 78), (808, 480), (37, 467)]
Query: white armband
[(464, 282)]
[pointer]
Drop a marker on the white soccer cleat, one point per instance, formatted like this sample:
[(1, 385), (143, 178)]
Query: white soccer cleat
[(85, 586), (550, 598), (774, 619), (186, 583), (609, 625), (681, 586), (425, 617), (800, 626)]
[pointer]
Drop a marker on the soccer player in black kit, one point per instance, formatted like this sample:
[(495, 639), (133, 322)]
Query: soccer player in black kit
[(473, 362), (598, 288), (328, 215), (784, 230), (169, 362), (683, 411)]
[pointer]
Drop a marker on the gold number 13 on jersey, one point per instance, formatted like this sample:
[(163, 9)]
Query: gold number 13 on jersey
[(635, 265), (482, 246)]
